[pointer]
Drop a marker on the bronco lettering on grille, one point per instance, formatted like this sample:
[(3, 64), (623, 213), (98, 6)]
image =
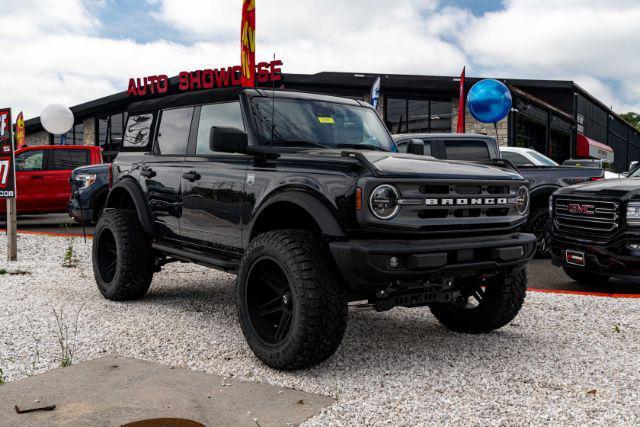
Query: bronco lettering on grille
[(468, 201)]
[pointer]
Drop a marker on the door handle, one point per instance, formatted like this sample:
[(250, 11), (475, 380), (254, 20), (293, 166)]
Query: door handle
[(147, 172), (191, 176), (37, 176)]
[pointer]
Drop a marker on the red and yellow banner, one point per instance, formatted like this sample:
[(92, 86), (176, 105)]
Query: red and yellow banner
[(248, 43), (21, 138)]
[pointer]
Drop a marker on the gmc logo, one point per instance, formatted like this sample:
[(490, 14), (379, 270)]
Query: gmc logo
[(576, 208)]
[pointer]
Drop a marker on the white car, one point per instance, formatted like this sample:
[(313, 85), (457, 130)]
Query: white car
[(520, 156)]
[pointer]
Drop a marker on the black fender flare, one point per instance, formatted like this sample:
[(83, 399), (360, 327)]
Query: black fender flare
[(320, 213), (133, 189), (543, 189)]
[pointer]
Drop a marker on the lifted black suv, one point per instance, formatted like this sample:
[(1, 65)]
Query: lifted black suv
[(306, 198)]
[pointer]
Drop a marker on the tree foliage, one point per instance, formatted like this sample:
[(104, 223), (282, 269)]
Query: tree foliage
[(633, 118)]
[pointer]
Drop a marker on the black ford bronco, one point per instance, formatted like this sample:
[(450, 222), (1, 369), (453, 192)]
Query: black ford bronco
[(307, 200), (595, 233)]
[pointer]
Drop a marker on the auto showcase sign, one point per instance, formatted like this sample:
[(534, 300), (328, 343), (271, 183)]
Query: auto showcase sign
[(7, 172)]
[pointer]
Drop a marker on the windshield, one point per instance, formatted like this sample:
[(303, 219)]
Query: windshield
[(302, 122), (544, 160)]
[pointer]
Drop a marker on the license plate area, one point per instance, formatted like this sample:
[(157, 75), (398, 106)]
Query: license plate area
[(574, 257)]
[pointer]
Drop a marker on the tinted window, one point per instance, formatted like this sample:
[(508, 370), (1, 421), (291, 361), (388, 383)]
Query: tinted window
[(466, 150), (318, 123), (173, 133), (30, 161), (402, 147), (227, 114), (516, 158), (138, 131), (68, 159)]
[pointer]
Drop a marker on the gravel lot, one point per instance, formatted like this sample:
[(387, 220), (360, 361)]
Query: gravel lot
[(564, 360)]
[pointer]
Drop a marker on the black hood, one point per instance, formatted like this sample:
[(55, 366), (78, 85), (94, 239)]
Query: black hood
[(622, 188), (412, 166)]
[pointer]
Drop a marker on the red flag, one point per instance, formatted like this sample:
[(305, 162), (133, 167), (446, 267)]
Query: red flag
[(461, 104), (248, 42)]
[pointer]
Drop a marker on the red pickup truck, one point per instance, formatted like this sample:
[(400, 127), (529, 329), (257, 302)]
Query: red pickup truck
[(42, 176)]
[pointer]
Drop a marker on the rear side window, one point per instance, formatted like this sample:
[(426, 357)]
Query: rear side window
[(173, 132), (30, 161), (226, 114), (138, 131), (467, 150), (68, 159), (402, 147)]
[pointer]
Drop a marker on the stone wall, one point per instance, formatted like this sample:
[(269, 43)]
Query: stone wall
[(89, 135), (38, 138), (474, 126)]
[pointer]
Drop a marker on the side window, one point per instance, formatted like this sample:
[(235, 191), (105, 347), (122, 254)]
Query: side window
[(227, 114), (466, 150), (30, 161), (68, 159), (138, 131), (402, 147), (516, 158), (173, 132)]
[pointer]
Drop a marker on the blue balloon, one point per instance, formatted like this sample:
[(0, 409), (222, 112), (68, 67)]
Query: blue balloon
[(489, 101)]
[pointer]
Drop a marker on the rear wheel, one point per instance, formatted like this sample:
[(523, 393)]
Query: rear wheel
[(485, 306), (123, 262), (584, 277), (289, 302)]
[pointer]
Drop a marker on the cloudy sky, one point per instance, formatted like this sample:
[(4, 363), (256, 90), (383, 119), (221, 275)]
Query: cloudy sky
[(73, 51)]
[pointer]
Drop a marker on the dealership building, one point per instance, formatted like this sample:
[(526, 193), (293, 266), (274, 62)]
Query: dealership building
[(557, 118)]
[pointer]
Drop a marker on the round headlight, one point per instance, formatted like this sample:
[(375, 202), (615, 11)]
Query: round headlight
[(384, 201), (522, 200)]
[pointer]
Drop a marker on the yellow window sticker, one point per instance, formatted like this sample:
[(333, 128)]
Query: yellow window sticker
[(326, 120)]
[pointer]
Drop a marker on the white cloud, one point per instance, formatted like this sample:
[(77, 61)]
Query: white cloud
[(59, 55)]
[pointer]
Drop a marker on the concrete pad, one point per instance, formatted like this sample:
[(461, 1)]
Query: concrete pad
[(112, 391)]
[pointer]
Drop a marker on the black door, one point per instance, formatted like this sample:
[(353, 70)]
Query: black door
[(162, 170), (213, 183)]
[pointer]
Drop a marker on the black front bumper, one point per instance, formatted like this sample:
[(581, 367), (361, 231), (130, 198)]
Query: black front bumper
[(609, 258), (78, 213), (366, 263)]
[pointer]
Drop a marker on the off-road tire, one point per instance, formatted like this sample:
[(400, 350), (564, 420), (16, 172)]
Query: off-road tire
[(319, 313), (504, 296), (537, 225), (135, 263), (584, 277)]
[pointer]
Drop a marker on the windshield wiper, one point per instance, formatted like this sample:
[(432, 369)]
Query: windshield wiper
[(298, 143), (361, 146)]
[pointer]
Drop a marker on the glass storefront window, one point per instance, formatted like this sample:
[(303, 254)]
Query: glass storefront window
[(404, 115), (75, 136)]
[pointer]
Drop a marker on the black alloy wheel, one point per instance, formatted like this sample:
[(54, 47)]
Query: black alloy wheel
[(537, 225), (107, 255), (269, 301)]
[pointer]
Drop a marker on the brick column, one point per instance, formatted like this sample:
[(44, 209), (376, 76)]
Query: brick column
[(89, 135), (471, 125)]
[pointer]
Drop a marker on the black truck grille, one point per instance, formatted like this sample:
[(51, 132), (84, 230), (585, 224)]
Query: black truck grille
[(460, 206), (592, 216)]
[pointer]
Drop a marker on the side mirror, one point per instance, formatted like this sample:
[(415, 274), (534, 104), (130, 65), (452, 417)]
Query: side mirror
[(415, 146), (227, 140), (633, 165)]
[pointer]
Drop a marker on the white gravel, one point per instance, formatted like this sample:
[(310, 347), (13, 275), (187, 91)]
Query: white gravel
[(399, 367)]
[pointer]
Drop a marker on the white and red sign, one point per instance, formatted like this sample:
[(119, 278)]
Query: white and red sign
[(587, 148), (7, 172)]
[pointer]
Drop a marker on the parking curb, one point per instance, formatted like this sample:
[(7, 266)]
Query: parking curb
[(584, 293)]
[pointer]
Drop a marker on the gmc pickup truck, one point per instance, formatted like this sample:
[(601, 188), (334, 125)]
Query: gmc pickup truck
[(543, 179)]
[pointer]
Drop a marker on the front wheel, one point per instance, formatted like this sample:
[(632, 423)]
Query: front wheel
[(289, 302), (537, 225), (484, 307), (584, 277)]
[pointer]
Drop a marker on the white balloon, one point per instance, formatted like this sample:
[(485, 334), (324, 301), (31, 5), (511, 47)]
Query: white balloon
[(56, 119)]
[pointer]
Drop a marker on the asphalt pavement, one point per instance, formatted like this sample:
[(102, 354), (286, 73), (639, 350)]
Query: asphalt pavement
[(542, 275)]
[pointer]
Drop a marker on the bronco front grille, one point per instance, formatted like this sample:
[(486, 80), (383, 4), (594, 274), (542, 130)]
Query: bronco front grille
[(459, 206), (593, 216)]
